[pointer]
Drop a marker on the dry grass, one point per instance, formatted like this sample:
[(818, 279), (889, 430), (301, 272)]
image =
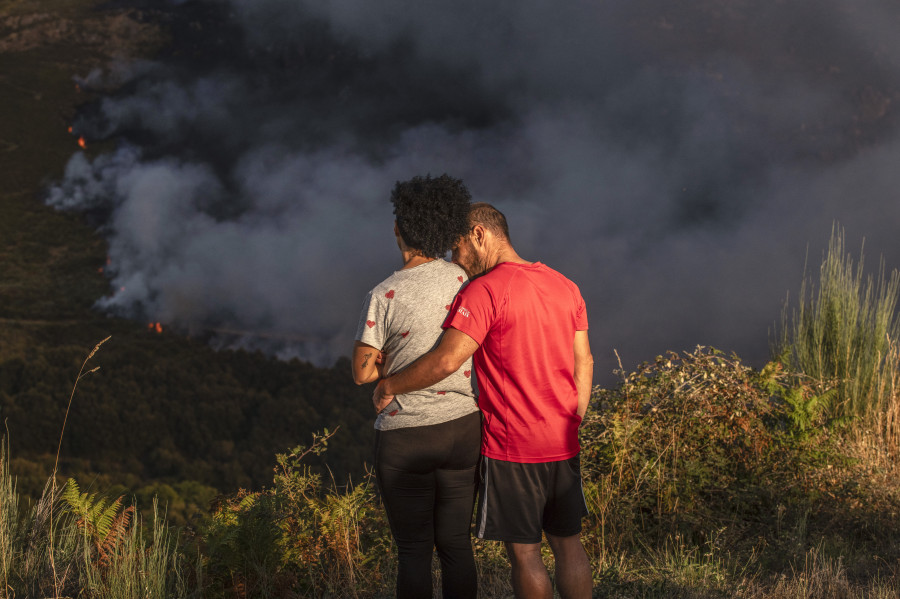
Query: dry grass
[(73, 544)]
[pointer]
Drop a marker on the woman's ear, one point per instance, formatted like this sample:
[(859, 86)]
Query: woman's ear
[(400, 243)]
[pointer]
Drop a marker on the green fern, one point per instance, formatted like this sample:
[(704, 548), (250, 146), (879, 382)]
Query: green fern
[(102, 521), (806, 400)]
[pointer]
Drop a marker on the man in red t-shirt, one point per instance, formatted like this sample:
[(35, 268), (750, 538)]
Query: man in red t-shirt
[(526, 326)]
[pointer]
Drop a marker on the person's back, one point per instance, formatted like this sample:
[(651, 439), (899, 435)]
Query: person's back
[(403, 318), (524, 317), (427, 442)]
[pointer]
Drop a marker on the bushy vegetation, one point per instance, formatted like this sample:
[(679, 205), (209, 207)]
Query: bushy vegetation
[(299, 536), (687, 441), (705, 478)]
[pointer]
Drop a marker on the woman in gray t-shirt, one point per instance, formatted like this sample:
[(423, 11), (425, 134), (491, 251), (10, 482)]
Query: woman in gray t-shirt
[(427, 443)]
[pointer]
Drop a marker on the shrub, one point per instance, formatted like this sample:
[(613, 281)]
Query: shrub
[(690, 441), (300, 536)]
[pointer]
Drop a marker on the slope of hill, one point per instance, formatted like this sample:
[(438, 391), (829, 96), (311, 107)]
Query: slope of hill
[(162, 407)]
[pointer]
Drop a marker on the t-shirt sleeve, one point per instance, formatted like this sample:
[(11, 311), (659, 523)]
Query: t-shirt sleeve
[(372, 326), (581, 320), (472, 312)]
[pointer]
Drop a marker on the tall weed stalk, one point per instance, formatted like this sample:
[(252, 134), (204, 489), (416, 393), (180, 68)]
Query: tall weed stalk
[(53, 490), (9, 521)]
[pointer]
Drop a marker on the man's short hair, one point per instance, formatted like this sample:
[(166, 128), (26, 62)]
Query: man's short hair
[(490, 218)]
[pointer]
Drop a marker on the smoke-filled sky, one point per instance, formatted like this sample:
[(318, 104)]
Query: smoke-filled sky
[(677, 160)]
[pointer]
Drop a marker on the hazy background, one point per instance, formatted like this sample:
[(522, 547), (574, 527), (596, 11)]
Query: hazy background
[(676, 160)]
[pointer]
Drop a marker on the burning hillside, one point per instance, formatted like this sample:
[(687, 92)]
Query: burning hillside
[(689, 148)]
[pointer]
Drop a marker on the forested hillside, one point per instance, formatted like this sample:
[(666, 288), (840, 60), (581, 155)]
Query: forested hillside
[(162, 409), (172, 409)]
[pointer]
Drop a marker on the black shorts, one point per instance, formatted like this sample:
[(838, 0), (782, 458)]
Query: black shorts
[(516, 502)]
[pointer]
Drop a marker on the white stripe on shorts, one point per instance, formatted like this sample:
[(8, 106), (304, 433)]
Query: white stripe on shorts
[(483, 498)]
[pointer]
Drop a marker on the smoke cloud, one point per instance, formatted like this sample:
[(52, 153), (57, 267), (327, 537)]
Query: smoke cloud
[(679, 161)]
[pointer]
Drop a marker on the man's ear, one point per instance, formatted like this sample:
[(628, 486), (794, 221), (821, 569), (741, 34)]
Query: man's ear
[(479, 234)]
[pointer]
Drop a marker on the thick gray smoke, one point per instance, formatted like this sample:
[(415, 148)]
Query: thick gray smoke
[(676, 160)]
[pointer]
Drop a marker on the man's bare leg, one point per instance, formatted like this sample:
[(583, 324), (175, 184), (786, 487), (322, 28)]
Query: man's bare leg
[(529, 575), (573, 569)]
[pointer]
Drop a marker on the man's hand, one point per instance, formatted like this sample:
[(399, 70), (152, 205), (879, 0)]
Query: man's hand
[(584, 370), (379, 398), (379, 364), (454, 349)]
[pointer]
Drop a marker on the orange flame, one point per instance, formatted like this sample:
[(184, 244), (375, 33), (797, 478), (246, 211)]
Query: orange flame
[(154, 326), (70, 128), (82, 143), (158, 328)]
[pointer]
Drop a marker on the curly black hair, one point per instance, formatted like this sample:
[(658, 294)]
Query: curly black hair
[(432, 213)]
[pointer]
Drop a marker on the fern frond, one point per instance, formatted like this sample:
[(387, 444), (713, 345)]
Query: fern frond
[(101, 520), (80, 504), (104, 516), (116, 534), (71, 494)]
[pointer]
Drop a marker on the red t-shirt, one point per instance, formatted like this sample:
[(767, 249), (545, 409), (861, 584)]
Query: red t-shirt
[(524, 318)]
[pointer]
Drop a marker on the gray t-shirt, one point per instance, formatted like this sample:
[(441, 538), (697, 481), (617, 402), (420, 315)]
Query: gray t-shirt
[(402, 317)]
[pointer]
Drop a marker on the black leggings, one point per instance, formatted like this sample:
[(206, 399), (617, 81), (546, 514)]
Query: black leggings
[(427, 479)]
